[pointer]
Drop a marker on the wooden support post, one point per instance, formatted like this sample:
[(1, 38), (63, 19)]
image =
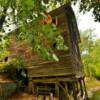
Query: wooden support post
[(81, 87), (44, 97), (66, 90), (62, 92), (74, 91), (76, 85), (86, 94), (30, 85), (57, 90), (51, 96), (33, 88)]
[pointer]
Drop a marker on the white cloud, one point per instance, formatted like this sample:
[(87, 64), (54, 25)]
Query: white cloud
[(86, 21)]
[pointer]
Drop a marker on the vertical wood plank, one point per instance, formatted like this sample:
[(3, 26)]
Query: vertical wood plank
[(51, 96), (74, 91), (86, 94), (62, 93), (57, 90), (81, 87), (30, 85)]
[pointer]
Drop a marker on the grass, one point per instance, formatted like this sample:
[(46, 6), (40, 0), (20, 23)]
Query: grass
[(96, 96), (93, 88), (92, 83)]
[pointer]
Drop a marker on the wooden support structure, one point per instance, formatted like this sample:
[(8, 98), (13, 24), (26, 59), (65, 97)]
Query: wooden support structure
[(57, 90), (62, 90), (81, 87), (30, 86), (74, 91), (86, 94)]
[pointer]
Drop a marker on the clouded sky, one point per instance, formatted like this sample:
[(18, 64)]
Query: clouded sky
[(86, 21)]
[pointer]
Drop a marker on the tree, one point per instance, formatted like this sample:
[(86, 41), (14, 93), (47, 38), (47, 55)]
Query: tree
[(29, 14), (96, 58), (34, 24), (90, 51), (87, 5), (86, 47)]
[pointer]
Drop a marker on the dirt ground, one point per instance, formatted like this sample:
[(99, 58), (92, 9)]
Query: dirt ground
[(22, 96), (25, 96)]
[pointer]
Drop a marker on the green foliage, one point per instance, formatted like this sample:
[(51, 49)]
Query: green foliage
[(19, 63), (96, 58), (60, 43), (12, 63), (86, 48), (7, 65), (90, 51), (30, 14), (4, 42), (96, 95)]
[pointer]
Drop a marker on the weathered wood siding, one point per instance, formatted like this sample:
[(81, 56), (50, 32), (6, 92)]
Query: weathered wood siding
[(70, 61)]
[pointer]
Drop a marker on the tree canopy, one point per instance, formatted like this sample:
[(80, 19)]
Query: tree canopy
[(90, 51), (35, 24), (87, 5)]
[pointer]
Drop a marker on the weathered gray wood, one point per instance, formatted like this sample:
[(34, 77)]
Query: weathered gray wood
[(70, 62), (74, 91), (30, 85), (62, 94), (67, 65), (81, 86), (56, 90), (86, 94)]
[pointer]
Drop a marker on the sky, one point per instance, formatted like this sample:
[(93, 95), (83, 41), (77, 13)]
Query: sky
[(86, 21)]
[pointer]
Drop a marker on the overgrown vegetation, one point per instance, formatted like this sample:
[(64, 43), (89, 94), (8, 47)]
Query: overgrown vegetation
[(35, 25), (90, 51)]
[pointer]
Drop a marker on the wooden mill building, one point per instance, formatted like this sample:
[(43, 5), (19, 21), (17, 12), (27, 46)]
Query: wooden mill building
[(63, 79)]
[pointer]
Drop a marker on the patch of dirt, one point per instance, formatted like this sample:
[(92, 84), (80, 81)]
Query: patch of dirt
[(26, 96), (91, 91), (22, 96), (4, 78)]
